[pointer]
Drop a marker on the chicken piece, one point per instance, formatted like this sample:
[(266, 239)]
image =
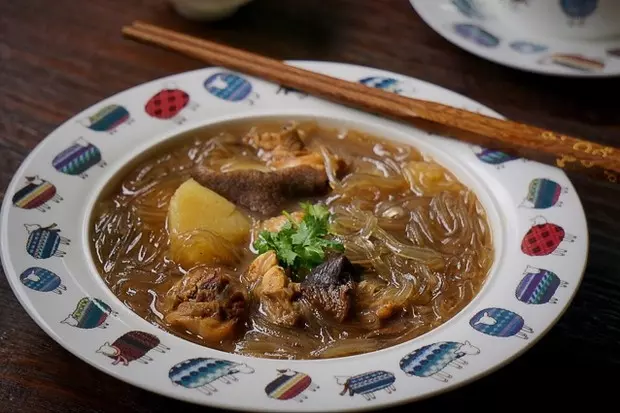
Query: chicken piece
[(286, 149), (206, 302), (260, 266), (312, 159), (275, 224), (287, 140), (274, 290), (264, 192), (330, 286)]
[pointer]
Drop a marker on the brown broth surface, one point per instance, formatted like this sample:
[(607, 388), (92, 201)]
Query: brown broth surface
[(413, 201)]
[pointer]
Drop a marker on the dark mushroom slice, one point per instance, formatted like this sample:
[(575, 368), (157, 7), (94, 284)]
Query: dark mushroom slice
[(329, 287), (264, 192)]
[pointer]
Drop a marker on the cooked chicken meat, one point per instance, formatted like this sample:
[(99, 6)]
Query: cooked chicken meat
[(206, 302), (274, 290), (275, 224), (287, 140), (286, 149)]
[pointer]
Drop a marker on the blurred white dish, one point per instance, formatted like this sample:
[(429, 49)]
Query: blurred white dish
[(471, 26), (207, 9)]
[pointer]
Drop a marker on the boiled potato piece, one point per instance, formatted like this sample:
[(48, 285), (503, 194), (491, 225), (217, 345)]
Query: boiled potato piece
[(199, 246), (196, 211)]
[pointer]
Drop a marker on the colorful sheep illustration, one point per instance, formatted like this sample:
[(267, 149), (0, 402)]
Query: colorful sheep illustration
[(36, 194), (476, 34), (431, 360), (89, 313), (538, 286), (578, 10), (468, 8), (544, 238), (200, 373), (230, 87), (44, 242), (367, 384), (132, 346), (574, 61), (499, 322), (386, 83), (518, 3), (78, 158), (543, 193), (527, 47), (107, 119), (42, 280), (168, 103), (286, 90), (493, 156), (289, 385)]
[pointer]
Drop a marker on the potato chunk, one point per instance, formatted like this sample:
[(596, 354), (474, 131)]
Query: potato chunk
[(199, 220)]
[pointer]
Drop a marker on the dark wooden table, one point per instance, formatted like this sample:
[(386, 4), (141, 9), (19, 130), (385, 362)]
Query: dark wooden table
[(59, 57)]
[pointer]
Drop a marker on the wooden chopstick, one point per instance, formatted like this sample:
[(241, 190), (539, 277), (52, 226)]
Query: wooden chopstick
[(569, 153), (256, 59)]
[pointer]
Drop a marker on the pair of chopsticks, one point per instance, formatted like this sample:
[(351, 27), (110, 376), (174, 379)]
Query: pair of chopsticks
[(518, 139)]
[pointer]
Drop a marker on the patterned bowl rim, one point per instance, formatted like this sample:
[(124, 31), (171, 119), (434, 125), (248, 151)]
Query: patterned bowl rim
[(457, 327), (440, 16)]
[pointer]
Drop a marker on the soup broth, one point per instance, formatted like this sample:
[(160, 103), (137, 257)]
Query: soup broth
[(378, 244)]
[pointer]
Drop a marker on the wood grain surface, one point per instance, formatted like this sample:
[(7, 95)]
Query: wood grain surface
[(59, 57)]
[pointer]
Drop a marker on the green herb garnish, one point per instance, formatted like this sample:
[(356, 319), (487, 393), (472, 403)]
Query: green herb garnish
[(303, 245)]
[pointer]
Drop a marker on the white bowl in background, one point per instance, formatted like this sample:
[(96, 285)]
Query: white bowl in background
[(207, 9)]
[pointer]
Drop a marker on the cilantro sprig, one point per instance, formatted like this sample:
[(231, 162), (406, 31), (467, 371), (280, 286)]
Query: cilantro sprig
[(301, 246)]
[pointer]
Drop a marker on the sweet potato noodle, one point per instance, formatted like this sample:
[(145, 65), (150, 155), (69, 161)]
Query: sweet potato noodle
[(418, 239)]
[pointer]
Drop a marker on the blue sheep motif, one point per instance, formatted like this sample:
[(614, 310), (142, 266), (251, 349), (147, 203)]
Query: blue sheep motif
[(578, 10), (200, 373), (476, 34), (516, 3), (527, 47), (231, 87), (107, 119), (493, 156), (386, 83), (78, 158), (500, 322), (367, 384), (44, 242), (543, 193), (431, 360), (538, 286), (468, 8), (42, 280), (89, 313)]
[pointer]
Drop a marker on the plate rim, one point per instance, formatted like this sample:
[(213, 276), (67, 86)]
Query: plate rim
[(419, 5), (46, 327)]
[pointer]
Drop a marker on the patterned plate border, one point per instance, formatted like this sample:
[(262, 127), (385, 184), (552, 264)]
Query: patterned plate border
[(462, 23), (537, 219)]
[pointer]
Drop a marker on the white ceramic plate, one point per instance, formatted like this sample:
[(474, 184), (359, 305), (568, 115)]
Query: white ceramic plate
[(45, 252), (459, 22)]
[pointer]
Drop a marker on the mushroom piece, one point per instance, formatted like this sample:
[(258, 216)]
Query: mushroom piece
[(329, 287)]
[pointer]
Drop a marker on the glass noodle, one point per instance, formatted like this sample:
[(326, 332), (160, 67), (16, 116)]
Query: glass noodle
[(421, 237)]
